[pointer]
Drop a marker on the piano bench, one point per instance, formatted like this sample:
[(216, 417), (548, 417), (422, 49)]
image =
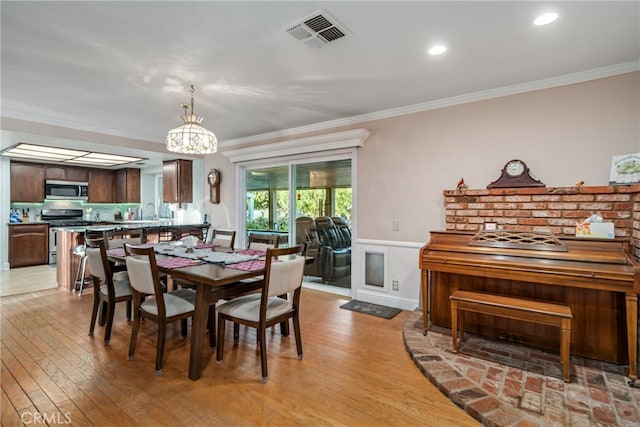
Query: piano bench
[(513, 308)]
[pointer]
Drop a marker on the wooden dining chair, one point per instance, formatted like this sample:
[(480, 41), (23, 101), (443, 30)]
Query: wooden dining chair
[(200, 231), (283, 274), (117, 238), (263, 241), (108, 289), (158, 306), (223, 238)]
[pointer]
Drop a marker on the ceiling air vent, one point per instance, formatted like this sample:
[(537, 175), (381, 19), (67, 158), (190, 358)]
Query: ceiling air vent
[(317, 29)]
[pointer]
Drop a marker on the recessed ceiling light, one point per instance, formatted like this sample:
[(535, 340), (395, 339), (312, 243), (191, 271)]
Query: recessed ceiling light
[(437, 50), (546, 18)]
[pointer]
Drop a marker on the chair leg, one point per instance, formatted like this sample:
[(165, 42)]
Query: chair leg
[(236, 333), (296, 331), (183, 328), (211, 325), (75, 282), (103, 313), (262, 333), (220, 343), (162, 332), (134, 335), (84, 272), (111, 309), (129, 310), (94, 314)]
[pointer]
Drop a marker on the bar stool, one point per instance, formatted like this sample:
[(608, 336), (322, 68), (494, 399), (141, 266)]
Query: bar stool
[(80, 252)]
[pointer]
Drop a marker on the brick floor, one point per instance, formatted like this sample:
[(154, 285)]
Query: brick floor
[(508, 384)]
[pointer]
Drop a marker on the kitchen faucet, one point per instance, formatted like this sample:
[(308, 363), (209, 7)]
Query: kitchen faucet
[(153, 215)]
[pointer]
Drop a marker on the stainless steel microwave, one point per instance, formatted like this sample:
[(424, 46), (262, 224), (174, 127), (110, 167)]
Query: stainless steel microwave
[(67, 190)]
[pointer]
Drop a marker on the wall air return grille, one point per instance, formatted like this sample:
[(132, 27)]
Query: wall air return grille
[(317, 29)]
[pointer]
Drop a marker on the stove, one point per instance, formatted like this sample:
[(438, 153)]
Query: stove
[(64, 217), (61, 218), (67, 222)]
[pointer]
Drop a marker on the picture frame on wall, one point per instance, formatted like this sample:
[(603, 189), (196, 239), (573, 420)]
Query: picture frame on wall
[(625, 169)]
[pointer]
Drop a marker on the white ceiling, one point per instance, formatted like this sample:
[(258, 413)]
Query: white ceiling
[(123, 68)]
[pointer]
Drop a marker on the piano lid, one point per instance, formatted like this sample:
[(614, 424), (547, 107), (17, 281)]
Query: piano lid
[(452, 244)]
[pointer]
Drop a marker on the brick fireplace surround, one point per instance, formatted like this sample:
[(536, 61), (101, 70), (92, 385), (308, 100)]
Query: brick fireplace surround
[(501, 383), (550, 209)]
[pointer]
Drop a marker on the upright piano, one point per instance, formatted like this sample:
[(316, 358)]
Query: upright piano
[(598, 278)]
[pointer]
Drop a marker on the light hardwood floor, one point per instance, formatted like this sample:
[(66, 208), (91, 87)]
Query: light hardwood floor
[(355, 372)]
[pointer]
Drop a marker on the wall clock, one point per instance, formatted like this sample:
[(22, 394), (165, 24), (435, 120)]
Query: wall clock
[(515, 174), (214, 185)]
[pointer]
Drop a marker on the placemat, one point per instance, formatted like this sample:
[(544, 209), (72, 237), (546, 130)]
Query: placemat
[(120, 251), (116, 252), (204, 245), (204, 254), (252, 252), (176, 262), (248, 265)]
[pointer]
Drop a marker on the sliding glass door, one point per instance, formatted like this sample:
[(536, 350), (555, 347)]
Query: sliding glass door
[(306, 202)]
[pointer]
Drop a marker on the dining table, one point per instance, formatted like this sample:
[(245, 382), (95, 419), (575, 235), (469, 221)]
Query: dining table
[(212, 281)]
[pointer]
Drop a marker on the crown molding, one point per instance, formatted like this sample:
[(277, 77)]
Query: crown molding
[(567, 79), (312, 144)]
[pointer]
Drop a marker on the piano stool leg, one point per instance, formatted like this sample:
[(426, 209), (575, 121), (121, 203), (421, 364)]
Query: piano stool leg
[(565, 352), (631, 300), (454, 325)]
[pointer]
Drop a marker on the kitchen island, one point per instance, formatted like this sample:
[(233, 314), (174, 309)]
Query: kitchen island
[(153, 232)]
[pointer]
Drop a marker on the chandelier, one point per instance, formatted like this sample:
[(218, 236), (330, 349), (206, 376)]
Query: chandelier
[(191, 138)]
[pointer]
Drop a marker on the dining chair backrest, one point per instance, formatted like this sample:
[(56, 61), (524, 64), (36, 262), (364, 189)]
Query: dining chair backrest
[(117, 238), (200, 231), (284, 270), (143, 271), (96, 253), (223, 238), (262, 242), (94, 234)]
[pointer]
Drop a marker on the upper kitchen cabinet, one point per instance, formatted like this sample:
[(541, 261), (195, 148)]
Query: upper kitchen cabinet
[(65, 173), (177, 181), (101, 188), (127, 185), (27, 183)]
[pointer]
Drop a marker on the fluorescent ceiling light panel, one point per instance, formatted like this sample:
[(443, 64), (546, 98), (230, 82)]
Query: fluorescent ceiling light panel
[(51, 150), (64, 155), (33, 157), (28, 153), (85, 161), (113, 157)]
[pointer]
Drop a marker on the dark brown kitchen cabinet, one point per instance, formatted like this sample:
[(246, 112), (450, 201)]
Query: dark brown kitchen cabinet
[(177, 181), (28, 245), (27, 183), (127, 185), (101, 188), (65, 173)]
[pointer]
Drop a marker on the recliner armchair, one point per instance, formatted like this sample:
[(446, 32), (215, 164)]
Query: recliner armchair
[(306, 233), (335, 249)]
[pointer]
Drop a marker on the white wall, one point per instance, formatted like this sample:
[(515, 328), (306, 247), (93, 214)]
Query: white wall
[(565, 135), (5, 191)]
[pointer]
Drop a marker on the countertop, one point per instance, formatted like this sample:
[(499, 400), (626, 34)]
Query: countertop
[(110, 225), (120, 225)]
